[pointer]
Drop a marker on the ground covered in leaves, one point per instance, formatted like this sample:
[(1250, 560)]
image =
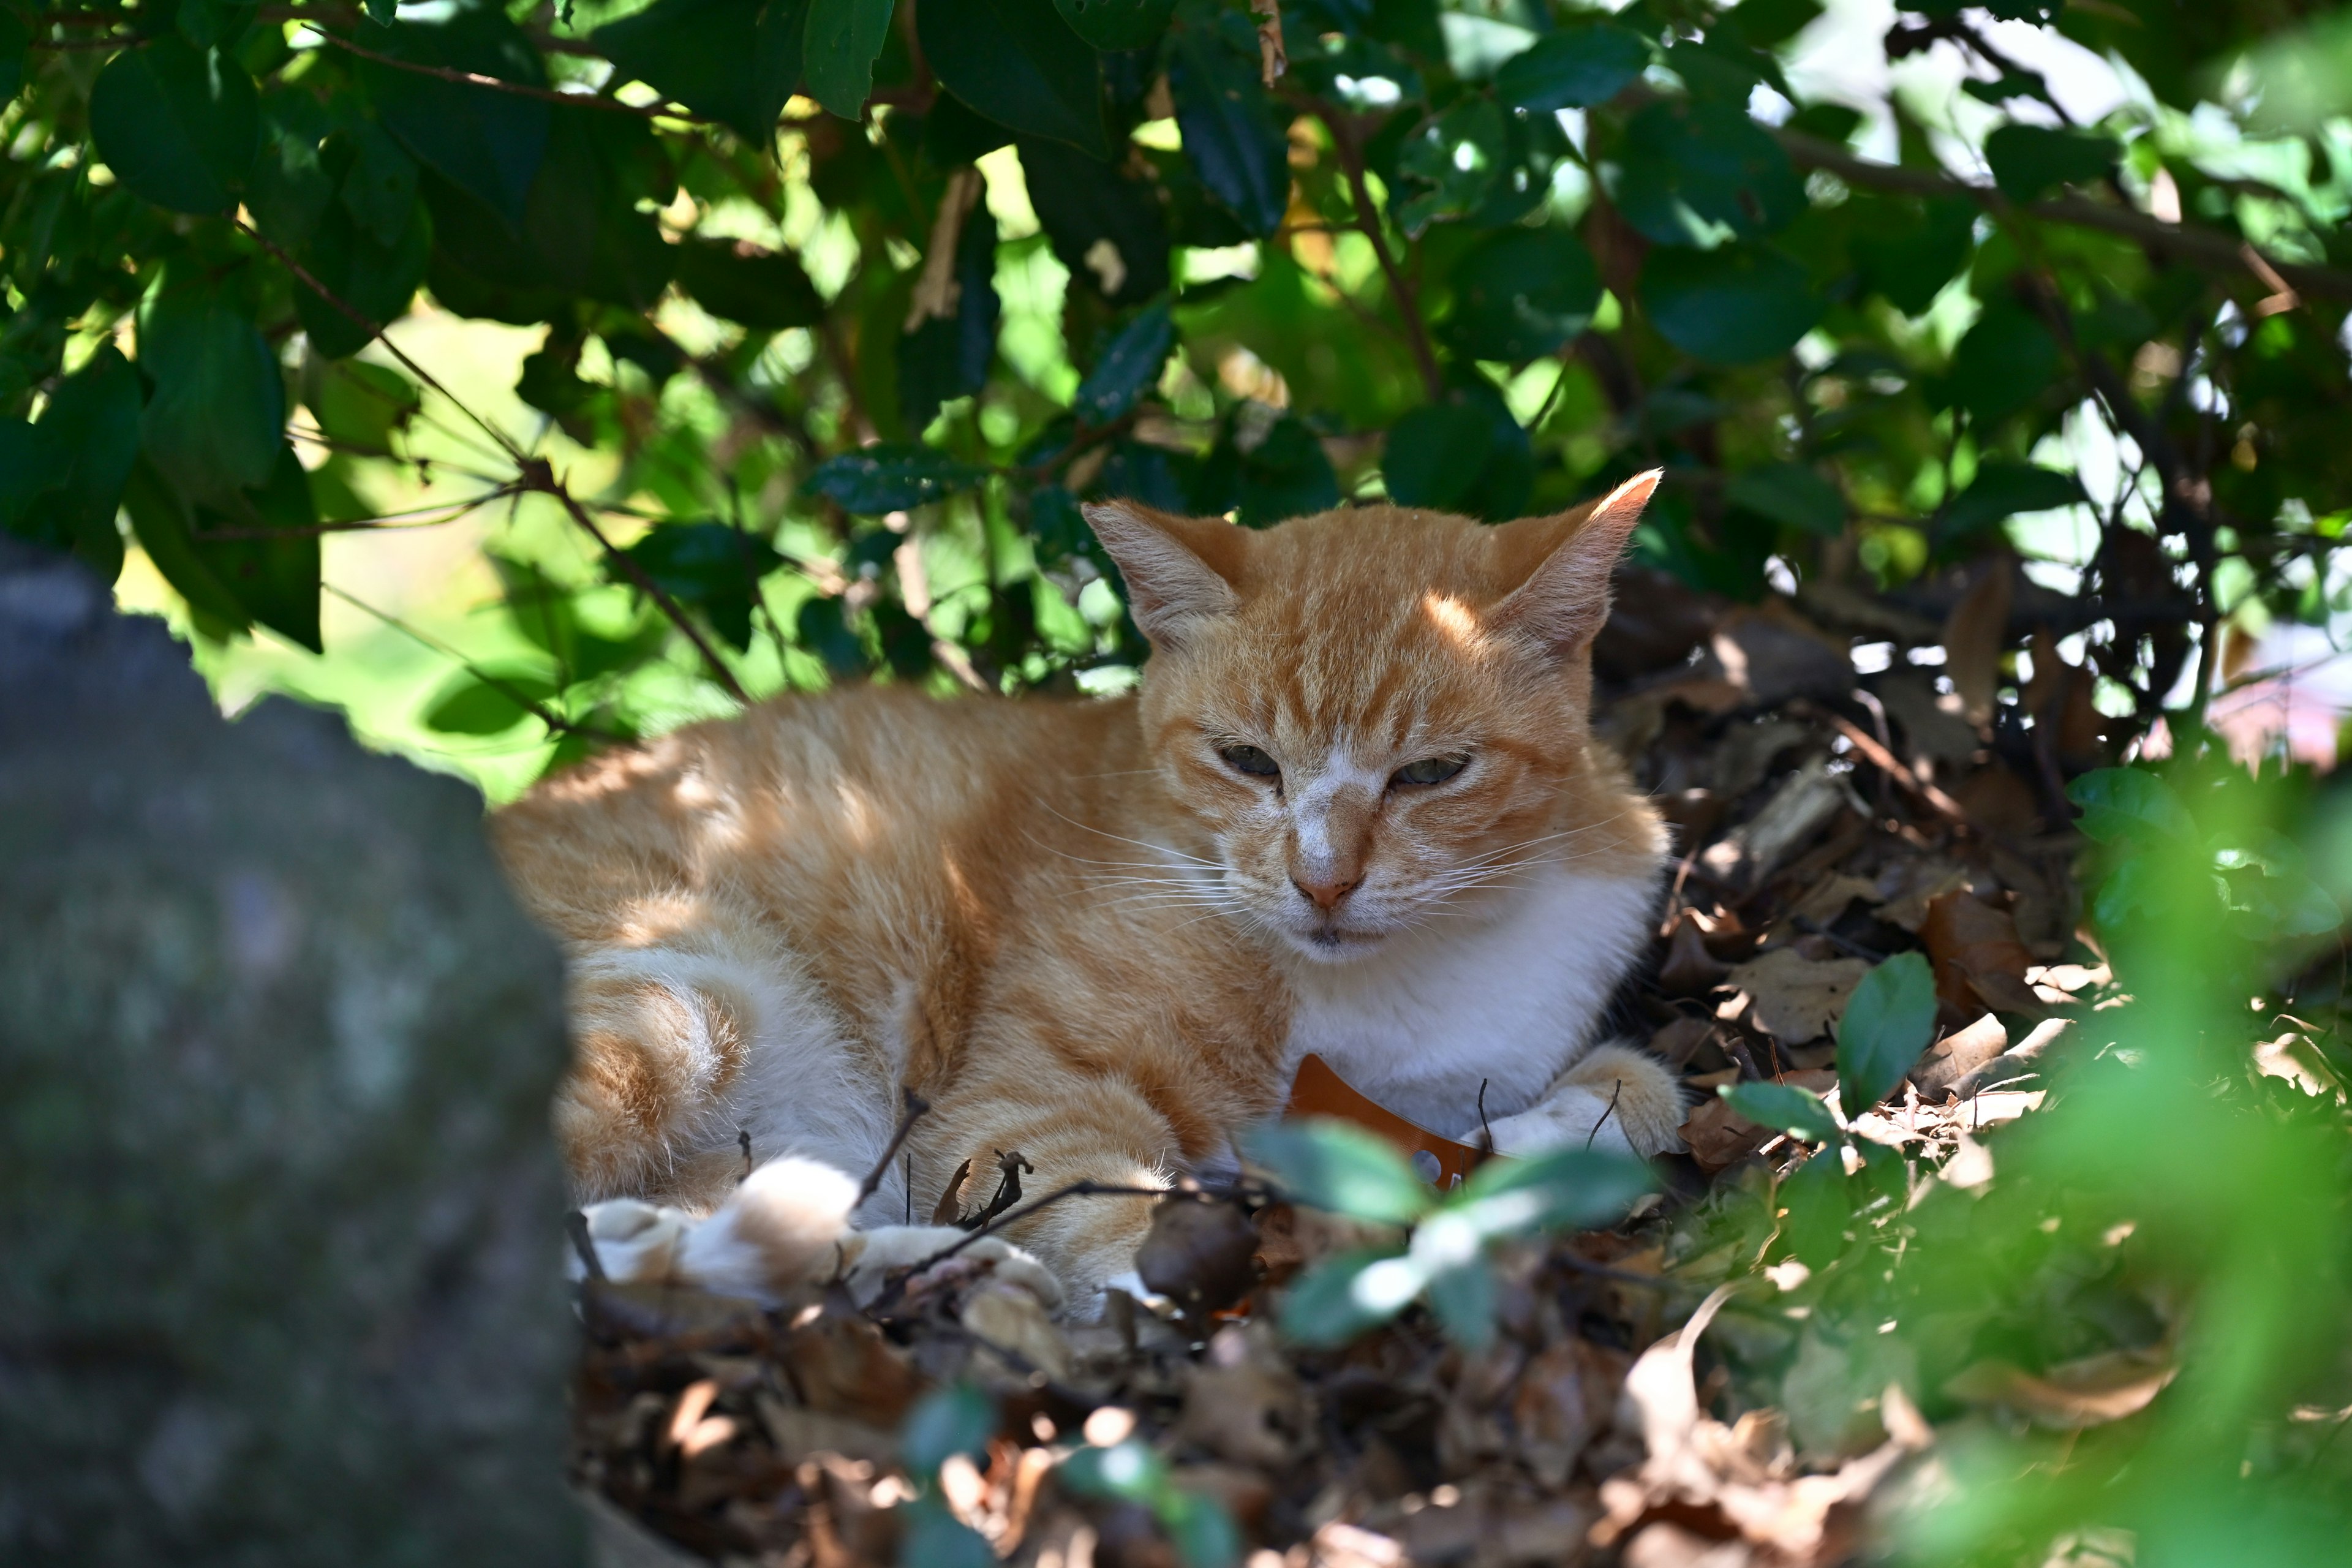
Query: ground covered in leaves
[(1837, 802)]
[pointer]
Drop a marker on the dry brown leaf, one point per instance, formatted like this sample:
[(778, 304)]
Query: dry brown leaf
[(1977, 954), (1828, 899), (1677, 1042), (2090, 1392), (1689, 969), (1718, 1136), (1795, 998), (1935, 729), (1974, 637), (1958, 1054)]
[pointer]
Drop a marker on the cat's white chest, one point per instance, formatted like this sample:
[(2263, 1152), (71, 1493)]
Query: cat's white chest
[(1509, 1000)]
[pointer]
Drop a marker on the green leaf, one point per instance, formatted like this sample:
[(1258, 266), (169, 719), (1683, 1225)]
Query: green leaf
[(948, 356), (1820, 1207), (1105, 223), (2000, 490), (2129, 806), (379, 189), (1232, 138), (764, 289), (1449, 164), (377, 280), (1268, 469), (1521, 293), (64, 482), (14, 37), (958, 1419), (275, 579), (840, 43), (1128, 367), (1888, 1021), (1118, 23), (1578, 1188), (735, 60), (1335, 1300), (1462, 1297), (161, 519), (890, 476), (1435, 453), (1794, 1110), (822, 628), (359, 405), (1128, 1471), (2027, 160), (1017, 62), (473, 705), (487, 142), (1791, 494), (215, 24), (934, 1537), (1201, 1529), (1339, 1166), (1908, 262), (1578, 66), (214, 425), (712, 566), (1691, 172), (1731, 305), (2006, 361), (177, 124)]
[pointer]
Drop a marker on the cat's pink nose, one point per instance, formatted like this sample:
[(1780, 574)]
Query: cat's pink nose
[(1325, 894)]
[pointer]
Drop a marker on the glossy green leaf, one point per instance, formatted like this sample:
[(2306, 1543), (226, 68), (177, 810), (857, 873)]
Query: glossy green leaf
[(1339, 1166), (213, 425), (1521, 293), (1797, 1112), (1463, 1299), (1017, 62), (736, 60), (767, 290), (61, 480), (177, 124), (1692, 173), (263, 547), (377, 280), (1791, 494), (1129, 365), (1232, 138), (487, 142), (840, 41), (2027, 160), (1888, 1021), (1434, 455), (1820, 1201), (1105, 223), (1575, 67), (1118, 23), (948, 356), (215, 24), (379, 188), (1731, 305), (1267, 468), (2001, 489), (890, 477), (712, 567), (2128, 805)]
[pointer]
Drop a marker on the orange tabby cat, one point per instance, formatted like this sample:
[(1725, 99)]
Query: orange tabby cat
[(1356, 808)]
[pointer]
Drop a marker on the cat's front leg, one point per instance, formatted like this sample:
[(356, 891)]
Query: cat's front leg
[(1614, 1098)]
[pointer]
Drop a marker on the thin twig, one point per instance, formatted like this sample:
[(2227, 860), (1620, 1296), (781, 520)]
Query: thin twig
[(1368, 220), (897, 1285), (517, 88), (1613, 1093), (539, 474), (575, 1226), (555, 722), (917, 1107)]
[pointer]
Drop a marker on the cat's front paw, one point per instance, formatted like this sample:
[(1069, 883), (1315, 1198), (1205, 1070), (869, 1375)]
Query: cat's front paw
[(869, 1258), (1616, 1098)]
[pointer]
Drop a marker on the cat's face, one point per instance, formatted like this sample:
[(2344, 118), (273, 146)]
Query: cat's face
[(1377, 716)]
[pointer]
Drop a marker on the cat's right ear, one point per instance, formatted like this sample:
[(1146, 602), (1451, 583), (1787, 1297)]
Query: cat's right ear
[(1171, 588)]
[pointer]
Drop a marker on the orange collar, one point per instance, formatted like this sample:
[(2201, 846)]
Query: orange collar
[(1319, 1091)]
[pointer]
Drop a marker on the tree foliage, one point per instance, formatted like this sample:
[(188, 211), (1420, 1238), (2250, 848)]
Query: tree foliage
[(837, 310)]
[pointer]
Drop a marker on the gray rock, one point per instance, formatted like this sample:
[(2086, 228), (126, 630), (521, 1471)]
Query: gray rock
[(278, 1205)]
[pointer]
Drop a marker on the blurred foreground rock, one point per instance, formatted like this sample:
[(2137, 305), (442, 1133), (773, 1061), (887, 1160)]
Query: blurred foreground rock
[(278, 1202)]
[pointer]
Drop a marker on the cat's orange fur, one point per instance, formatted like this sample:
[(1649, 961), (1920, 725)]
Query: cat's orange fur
[(1073, 926)]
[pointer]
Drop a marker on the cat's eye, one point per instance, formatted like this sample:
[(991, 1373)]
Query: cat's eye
[(1429, 771), (1251, 760)]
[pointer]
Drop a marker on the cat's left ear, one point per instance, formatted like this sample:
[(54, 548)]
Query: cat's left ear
[(1565, 601), (1178, 570)]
